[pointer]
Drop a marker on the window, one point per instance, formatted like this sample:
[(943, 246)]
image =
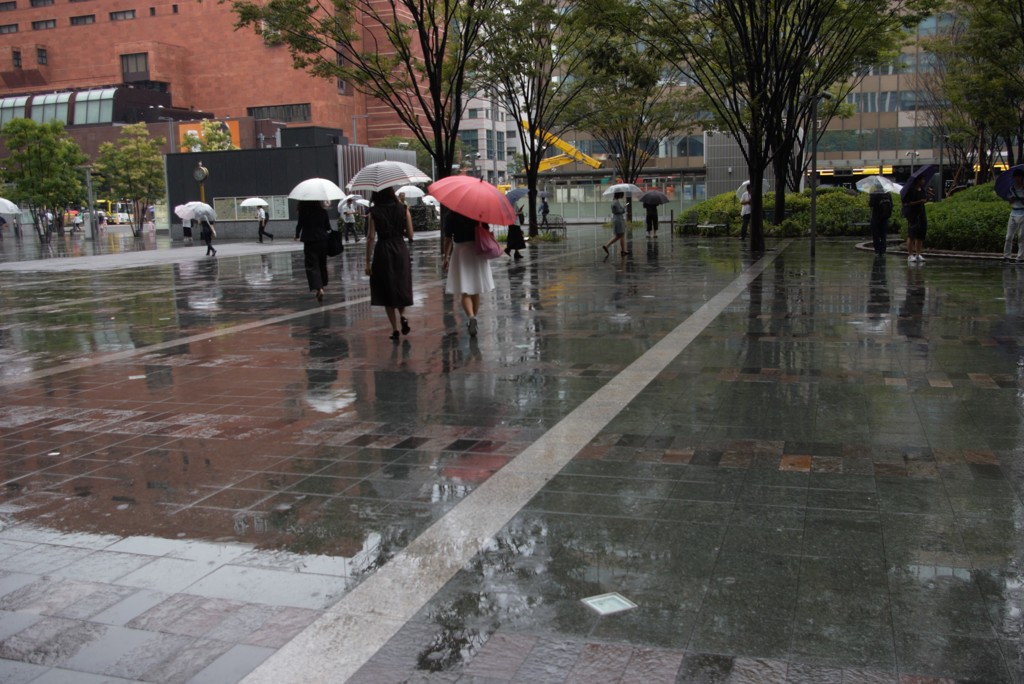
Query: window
[(8, 6), (12, 108), (470, 141), (41, 3), (9, 28), (489, 137), (174, 9), (501, 145), (46, 108), (83, 20), (44, 24), (95, 106), (123, 15), (41, 57), (288, 113), (690, 146), (473, 114), (135, 67), (888, 101), (16, 59)]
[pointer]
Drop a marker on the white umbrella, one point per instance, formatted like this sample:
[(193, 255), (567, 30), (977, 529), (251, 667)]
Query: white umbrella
[(196, 211), (316, 189), (363, 202), (387, 174), (253, 202), (431, 200), (877, 184), (625, 189), (765, 187), (8, 207), (410, 192)]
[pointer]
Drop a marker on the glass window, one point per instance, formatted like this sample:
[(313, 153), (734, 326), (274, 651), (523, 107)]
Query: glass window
[(44, 24), (16, 59), (908, 100), (41, 3), (83, 19), (12, 108), (470, 141), (123, 15), (41, 57), (490, 144), (291, 113), (46, 108), (8, 6), (95, 106), (9, 28), (134, 65), (501, 145), (474, 114), (888, 101)]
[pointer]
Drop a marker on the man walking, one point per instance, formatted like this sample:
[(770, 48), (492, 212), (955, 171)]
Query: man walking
[(262, 218), (348, 220), (1015, 196)]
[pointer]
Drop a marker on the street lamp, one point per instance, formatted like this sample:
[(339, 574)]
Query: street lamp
[(912, 155), (814, 165), (92, 202)]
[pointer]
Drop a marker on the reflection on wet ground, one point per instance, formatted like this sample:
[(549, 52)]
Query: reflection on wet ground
[(823, 485)]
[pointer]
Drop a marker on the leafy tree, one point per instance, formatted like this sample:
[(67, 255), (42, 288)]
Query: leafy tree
[(410, 55), (423, 158), (43, 170), (132, 168), (532, 53), (760, 64), (214, 137)]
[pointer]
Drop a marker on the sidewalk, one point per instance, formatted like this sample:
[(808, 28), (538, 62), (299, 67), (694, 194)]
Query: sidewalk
[(798, 471)]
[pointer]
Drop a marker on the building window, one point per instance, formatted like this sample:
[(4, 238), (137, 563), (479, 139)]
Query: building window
[(501, 145), (12, 108), (9, 28), (489, 142), (16, 59), (54, 106), (174, 9), (95, 106), (474, 114), (292, 113), (470, 141), (152, 11), (83, 20), (135, 67), (41, 57), (44, 24), (123, 15), (41, 3), (8, 6)]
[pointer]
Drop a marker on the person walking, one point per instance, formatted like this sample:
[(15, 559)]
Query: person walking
[(312, 228), (262, 218), (544, 211), (206, 233), (917, 220), (1015, 196), (514, 238), (745, 210), (652, 220), (618, 225), (469, 274), (348, 220), (387, 258), (880, 203)]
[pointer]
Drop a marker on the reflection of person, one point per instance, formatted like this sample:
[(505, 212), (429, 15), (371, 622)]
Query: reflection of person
[(878, 289), (917, 219), (911, 318), (348, 220), (745, 210), (652, 219), (387, 257), (1015, 196), (469, 274), (618, 225), (312, 228), (514, 238), (262, 218), (880, 203), (206, 233)]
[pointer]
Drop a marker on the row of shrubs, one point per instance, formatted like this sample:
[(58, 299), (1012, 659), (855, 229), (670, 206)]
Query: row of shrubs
[(973, 220)]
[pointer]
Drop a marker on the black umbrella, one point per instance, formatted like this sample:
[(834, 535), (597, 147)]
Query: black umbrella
[(516, 194), (654, 198), (925, 172)]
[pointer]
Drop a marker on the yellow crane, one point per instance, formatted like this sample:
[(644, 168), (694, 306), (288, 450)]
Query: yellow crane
[(569, 153)]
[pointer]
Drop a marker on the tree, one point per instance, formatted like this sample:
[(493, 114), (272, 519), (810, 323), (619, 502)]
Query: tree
[(532, 53), (423, 158), (213, 137), (133, 169), (758, 60), (43, 169), (410, 55)]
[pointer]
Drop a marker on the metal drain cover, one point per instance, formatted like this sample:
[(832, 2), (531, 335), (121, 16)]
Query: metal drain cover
[(608, 604)]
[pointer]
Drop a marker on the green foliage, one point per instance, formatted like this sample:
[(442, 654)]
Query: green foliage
[(423, 158), (133, 169), (214, 138), (973, 220)]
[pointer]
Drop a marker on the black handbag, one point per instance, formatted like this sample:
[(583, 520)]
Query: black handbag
[(334, 244)]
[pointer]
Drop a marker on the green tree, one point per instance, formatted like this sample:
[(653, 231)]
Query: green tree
[(43, 170), (214, 137), (410, 55), (423, 158), (132, 169)]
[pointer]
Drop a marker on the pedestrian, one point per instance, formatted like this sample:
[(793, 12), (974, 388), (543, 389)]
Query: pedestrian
[(1015, 196), (745, 210), (880, 203), (206, 233), (348, 220), (544, 210), (387, 258), (312, 228), (514, 238), (76, 223), (652, 220), (186, 229), (618, 225), (469, 274), (262, 218), (917, 219)]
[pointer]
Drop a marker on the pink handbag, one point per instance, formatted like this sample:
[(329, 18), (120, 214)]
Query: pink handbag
[(486, 245)]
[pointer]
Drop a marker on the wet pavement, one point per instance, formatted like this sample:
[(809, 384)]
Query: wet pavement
[(798, 470)]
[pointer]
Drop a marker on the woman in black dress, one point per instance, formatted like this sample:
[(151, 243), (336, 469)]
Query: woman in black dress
[(387, 257), (312, 229)]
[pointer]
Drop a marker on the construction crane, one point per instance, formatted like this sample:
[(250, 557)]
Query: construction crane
[(569, 153)]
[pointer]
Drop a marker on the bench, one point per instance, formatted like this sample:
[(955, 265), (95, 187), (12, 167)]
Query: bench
[(688, 223), (717, 225), (555, 223)]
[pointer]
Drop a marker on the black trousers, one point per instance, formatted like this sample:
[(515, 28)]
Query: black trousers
[(315, 260)]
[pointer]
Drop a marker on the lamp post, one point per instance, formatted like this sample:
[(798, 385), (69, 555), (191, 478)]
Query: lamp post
[(91, 199), (814, 166), (170, 132), (912, 155)]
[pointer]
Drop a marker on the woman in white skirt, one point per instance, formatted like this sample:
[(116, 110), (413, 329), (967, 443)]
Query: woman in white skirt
[(469, 274)]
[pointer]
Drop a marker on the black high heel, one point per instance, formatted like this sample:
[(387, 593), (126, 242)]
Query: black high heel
[(405, 326), (394, 336)]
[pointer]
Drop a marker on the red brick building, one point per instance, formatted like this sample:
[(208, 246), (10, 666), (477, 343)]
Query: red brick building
[(72, 59)]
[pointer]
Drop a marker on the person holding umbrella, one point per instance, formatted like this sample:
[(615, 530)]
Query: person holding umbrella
[(469, 274), (261, 217), (312, 228), (914, 199), (618, 225), (387, 257), (1015, 196), (207, 232)]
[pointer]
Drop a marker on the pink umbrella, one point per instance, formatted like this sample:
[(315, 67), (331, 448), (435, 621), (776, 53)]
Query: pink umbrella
[(474, 198)]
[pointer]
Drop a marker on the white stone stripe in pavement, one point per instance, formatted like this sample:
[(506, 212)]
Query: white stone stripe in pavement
[(334, 647)]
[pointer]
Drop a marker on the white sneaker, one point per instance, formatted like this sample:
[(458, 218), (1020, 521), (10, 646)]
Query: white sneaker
[(911, 259), (920, 257)]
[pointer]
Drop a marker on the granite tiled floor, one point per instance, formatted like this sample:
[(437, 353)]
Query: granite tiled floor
[(820, 480)]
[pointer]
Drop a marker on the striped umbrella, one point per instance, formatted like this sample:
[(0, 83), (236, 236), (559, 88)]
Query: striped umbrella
[(386, 174)]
